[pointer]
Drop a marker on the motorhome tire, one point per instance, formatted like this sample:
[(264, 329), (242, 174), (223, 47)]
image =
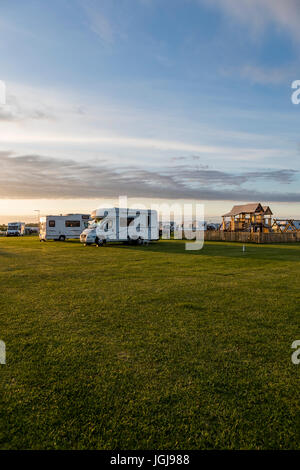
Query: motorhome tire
[(62, 238), (99, 242)]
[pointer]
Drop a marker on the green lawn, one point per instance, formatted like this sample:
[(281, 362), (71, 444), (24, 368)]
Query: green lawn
[(149, 347)]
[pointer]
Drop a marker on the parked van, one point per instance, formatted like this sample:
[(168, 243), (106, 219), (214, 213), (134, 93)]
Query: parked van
[(121, 225), (62, 227), (15, 229)]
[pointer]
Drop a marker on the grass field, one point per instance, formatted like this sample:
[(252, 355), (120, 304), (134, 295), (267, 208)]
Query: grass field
[(149, 347)]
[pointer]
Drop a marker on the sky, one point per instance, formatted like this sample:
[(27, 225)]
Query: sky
[(161, 100)]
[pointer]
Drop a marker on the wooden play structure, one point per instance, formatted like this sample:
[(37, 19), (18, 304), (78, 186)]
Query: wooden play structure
[(253, 223), (248, 218), (285, 225)]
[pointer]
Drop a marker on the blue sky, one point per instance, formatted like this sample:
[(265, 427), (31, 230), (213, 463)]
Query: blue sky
[(153, 98)]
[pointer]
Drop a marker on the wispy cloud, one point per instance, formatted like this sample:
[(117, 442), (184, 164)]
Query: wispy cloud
[(257, 14), (262, 75), (61, 118), (114, 141), (99, 22), (216, 177), (36, 176), (266, 76)]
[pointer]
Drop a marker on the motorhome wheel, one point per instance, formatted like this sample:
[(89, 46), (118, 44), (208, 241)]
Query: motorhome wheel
[(99, 242), (62, 238)]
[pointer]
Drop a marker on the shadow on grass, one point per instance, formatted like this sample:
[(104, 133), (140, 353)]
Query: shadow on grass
[(278, 252), (7, 254), (286, 252)]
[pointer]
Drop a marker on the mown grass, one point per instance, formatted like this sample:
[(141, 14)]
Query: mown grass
[(148, 347)]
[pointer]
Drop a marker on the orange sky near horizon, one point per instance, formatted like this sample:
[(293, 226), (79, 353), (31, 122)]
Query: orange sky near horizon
[(26, 209)]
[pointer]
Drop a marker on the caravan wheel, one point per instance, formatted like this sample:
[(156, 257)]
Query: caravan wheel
[(62, 238)]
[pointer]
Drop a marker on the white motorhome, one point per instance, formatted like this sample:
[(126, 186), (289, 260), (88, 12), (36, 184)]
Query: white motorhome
[(15, 229), (62, 227), (121, 225)]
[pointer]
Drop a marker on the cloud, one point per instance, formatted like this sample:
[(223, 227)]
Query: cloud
[(266, 76), (14, 110), (102, 27), (261, 74), (46, 116), (99, 22), (216, 177), (36, 176), (258, 14)]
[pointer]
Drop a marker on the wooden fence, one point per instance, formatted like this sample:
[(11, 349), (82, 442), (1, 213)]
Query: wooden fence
[(247, 237)]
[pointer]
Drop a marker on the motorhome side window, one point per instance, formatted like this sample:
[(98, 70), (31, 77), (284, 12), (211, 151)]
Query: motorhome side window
[(51, 223), (72, 223), (108, 226), (129, 220)]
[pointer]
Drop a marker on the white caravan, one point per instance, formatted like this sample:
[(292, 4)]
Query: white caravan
[(121, 225), (15, 229), (62, 227)]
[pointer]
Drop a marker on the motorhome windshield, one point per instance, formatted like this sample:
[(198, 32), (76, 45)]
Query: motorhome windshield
[(95, 222), (92, 224), (13, 227)]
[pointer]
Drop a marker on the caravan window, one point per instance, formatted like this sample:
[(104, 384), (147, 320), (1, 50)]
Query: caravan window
[(72, 223), (51, 223)]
